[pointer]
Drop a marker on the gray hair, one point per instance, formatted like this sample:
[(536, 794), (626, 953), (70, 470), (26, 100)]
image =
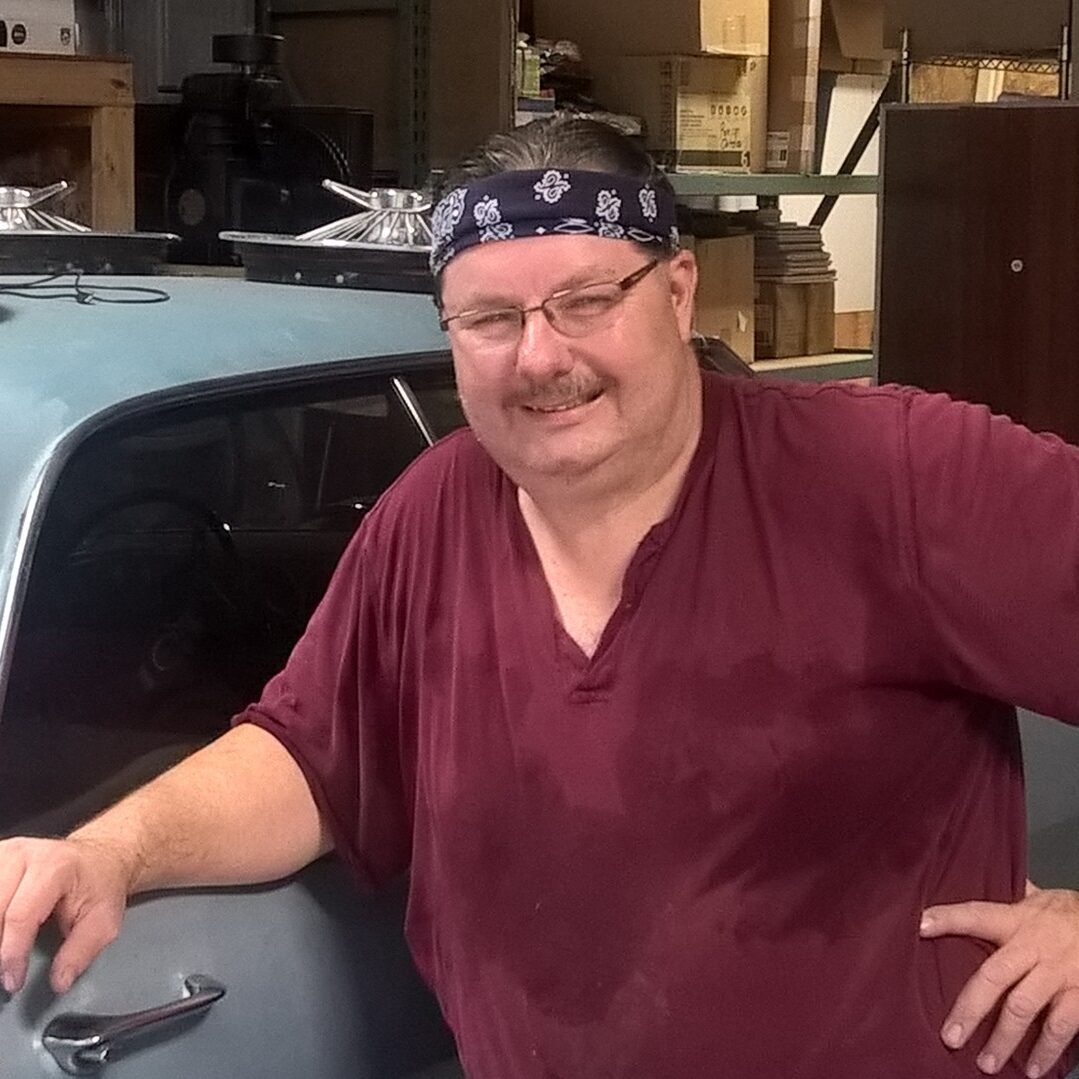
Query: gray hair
[(561, 142)]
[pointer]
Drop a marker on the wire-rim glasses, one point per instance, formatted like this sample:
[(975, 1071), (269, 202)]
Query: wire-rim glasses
[(573, 312)]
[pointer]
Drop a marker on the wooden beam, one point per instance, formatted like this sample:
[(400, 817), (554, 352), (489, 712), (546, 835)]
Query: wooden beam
[(112, 169), (31, 79)]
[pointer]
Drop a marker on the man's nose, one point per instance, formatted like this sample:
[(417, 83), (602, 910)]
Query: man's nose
[(542, 351)]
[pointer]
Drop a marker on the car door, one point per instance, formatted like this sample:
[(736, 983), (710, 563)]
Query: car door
[(180, 553)]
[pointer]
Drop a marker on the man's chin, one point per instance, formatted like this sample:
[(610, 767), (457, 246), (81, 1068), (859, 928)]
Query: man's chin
[(566, 465)]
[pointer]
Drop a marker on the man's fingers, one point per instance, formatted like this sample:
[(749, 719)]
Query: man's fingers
[(1019, 1009), (982, 993), (10, 875), (993, 922), (33, 900), (40, 877), (87, 938), (1060, 1027)]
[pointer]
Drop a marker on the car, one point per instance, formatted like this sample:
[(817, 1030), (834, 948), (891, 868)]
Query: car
[(178, 480), (178, 474)]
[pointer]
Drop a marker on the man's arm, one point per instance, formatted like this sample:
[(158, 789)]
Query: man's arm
[(237, 812)]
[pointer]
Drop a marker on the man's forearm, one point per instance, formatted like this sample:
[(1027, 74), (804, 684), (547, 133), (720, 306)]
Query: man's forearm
[(237, 812)]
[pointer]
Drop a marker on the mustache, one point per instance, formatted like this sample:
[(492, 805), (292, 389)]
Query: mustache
[(564, 390)]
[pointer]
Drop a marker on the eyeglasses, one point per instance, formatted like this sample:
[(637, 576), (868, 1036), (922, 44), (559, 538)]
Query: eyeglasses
[(573, 312)]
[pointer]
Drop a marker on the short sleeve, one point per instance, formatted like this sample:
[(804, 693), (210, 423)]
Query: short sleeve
[(995, 532), (333, 707)]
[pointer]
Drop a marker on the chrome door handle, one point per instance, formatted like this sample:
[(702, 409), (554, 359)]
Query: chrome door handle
[(81, 1043)]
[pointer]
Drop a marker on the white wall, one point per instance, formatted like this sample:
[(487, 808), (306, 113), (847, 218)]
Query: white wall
[(850, 234)]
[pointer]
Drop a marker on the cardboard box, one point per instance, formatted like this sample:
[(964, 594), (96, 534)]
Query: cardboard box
[(17, 35), (793, 71), (628, 27), (725, 296), (794, 319), (852, 38), (976, 27), (700, 113), (55, 11)]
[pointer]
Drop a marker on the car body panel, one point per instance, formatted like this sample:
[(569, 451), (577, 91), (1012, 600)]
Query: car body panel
[(64, 366), (319, 981), (1050, 755), (318, 984)]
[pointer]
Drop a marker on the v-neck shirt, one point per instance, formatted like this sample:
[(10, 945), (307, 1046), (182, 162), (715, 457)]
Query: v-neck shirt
[(590, 674), (705, 851)]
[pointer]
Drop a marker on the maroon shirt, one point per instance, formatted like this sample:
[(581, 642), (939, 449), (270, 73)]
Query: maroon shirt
[(704, 852)]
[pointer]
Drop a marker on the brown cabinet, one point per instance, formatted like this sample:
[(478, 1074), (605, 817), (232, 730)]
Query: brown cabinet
[(979, 257)]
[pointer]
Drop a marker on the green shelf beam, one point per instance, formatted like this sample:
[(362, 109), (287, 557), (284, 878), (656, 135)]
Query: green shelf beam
[(825, 368), (771, 185)]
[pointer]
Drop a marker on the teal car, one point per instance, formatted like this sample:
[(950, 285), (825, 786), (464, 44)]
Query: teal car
[(180, 469)]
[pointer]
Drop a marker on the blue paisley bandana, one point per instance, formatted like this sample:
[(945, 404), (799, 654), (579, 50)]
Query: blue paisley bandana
[(551, 202)]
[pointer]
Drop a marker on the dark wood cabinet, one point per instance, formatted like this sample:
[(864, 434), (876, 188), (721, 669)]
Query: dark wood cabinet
[(979, 257)]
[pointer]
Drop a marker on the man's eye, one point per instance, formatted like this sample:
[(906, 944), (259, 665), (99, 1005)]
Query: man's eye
[(587, 303), (491, 320)]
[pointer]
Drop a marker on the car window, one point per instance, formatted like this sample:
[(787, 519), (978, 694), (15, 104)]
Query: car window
[(180, 557), (436, 394)]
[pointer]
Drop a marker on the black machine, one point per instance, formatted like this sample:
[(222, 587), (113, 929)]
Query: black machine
[(238, 152)]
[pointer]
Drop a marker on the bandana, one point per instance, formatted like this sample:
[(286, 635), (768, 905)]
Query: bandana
[(551, 202)]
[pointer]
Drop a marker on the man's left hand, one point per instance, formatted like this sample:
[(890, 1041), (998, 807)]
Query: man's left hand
[(1035, 969)]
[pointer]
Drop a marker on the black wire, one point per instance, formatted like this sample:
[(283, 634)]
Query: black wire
[(53, 287)]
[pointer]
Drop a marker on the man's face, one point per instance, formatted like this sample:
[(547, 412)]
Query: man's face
[(552, 405)]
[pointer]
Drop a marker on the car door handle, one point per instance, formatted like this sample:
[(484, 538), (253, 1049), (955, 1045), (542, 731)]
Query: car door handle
[(81, 1043)]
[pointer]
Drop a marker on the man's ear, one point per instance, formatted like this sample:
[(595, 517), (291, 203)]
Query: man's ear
[(682, 274)]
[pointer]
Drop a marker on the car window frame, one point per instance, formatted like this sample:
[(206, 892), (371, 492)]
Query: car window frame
[(209, 392)]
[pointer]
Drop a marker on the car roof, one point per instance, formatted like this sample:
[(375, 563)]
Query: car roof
[(65, 366), (95, 354)]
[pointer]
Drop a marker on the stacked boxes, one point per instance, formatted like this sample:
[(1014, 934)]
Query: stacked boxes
[(725, 297), (671, 63), (794, 64), (795, 292), (606, 28), (853, 36), (701, 113), (696, 71), (794, 319)]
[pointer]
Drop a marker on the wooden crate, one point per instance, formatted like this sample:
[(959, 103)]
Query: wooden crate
[(71, 118)]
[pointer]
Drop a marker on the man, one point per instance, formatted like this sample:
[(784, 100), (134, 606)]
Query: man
[(674, 693)]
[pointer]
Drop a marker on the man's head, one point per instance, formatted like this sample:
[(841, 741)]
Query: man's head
[(568, 303)]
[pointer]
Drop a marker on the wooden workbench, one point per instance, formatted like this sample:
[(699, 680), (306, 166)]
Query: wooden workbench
[(71, 118)]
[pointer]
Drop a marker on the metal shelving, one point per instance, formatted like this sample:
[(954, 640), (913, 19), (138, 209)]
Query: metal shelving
[(1028, 65), (770, 185), (824, 368)]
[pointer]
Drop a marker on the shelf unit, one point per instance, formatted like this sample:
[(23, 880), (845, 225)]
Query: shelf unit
[(79, 111), (824, 368), (702, 191)]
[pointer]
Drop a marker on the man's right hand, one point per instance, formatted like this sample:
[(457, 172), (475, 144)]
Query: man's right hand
[(84, 882), (239, 811)]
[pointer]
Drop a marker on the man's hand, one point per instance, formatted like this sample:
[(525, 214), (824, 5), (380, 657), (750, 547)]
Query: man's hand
[(1034, 970), (83, 882)]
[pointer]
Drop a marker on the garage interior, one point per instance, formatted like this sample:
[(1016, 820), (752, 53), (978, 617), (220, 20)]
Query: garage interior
[(875, 190)]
